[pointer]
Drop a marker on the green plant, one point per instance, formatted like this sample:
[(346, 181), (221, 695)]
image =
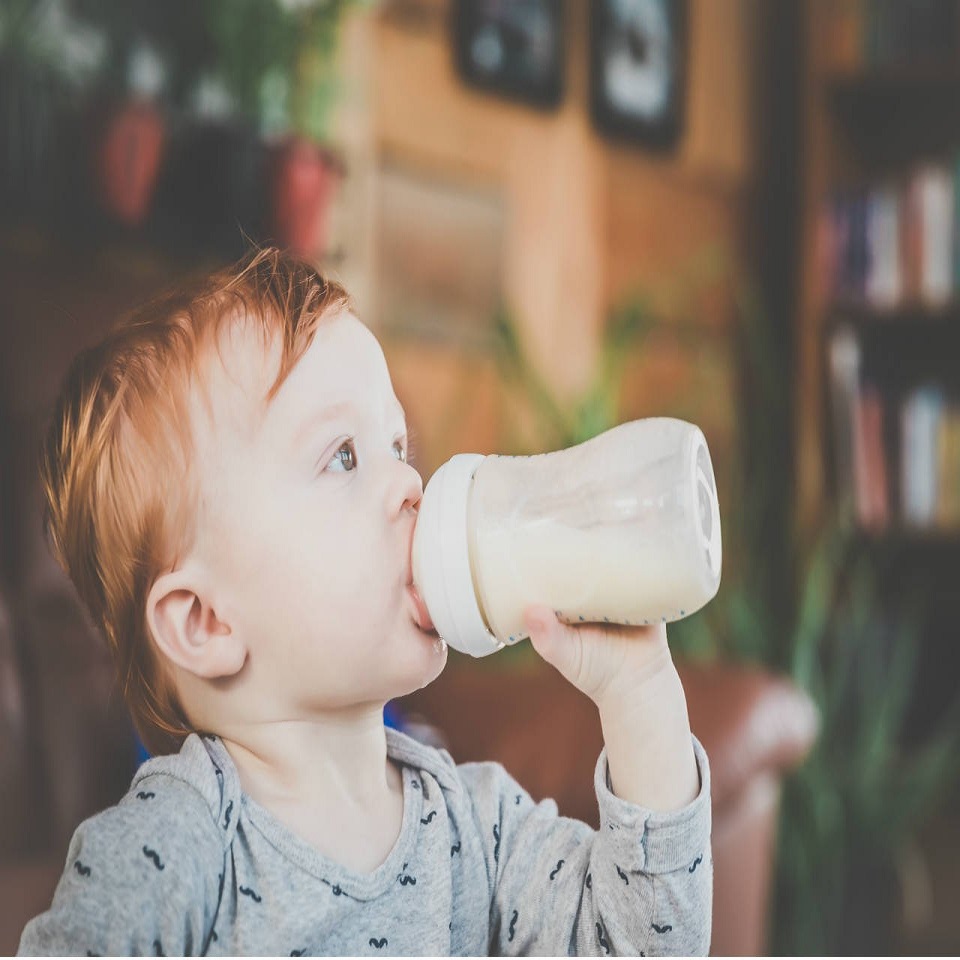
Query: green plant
[(278, 59), (848, 812), (45, 45), (275, 59), (562, 424), (24, 38), (121, 28), (42, 63)]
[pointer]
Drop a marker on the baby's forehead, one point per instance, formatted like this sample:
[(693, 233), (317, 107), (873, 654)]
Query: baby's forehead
[(237, 382), (235, 369)]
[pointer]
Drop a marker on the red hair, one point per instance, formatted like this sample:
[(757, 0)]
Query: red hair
[(121, 499)]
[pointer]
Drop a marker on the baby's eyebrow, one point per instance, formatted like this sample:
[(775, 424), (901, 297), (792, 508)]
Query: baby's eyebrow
[(326, 414)]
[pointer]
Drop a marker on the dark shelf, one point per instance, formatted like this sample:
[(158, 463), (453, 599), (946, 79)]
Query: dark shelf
[(906, 318), (902, 348), (896, 80), (903, 537), (893, 116)]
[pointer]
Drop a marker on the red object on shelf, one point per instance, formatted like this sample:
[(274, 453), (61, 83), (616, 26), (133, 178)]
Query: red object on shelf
[(305, 176), (870, 462), (127, 160)]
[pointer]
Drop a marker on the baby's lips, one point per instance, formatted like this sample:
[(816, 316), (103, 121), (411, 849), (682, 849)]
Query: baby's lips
[(423, 615)]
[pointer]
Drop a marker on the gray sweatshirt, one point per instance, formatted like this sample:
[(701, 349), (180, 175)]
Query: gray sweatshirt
[(187, 864)]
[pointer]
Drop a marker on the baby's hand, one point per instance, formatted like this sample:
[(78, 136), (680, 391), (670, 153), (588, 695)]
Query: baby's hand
[(603, 660)]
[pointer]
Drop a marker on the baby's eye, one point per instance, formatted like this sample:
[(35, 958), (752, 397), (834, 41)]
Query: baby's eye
[(346, 455)]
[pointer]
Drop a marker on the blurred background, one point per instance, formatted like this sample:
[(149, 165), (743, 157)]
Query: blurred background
[(556, 216)]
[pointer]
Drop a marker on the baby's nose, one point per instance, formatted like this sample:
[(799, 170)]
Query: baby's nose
[(413, 491)]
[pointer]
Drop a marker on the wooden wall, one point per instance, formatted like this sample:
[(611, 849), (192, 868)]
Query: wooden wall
[(585, 220)]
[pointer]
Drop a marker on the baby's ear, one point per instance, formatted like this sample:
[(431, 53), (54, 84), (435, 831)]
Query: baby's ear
[(186, 629)]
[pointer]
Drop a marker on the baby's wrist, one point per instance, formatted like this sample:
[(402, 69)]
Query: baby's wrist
[(649, 743), (637, 685), (646, 709)]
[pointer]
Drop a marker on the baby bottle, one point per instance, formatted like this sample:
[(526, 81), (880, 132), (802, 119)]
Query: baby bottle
[(623, 528)]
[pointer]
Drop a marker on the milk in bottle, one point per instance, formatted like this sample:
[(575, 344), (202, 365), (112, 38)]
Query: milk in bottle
[(623, 528)]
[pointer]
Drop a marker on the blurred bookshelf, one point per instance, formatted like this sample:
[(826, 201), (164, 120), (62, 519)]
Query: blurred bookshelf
[(878, 390), (884, 201)]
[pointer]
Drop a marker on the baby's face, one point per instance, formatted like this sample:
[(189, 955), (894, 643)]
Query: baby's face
[(307, 520)]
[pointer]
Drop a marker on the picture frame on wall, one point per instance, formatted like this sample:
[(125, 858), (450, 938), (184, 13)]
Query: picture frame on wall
[(637, 69), (514, 48)]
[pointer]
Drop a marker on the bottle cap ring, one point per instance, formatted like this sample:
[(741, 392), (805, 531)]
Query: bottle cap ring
[(445, 581)]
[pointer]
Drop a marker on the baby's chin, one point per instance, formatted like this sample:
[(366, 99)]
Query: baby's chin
[(431, 661), (441, 651)]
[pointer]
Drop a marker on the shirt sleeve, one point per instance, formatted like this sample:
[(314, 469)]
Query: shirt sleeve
[(142, 878), (640, 885)]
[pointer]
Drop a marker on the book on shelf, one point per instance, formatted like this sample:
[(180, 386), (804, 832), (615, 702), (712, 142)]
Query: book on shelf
[(929, 447), (861, 34), (894, 243), (920, 423), (845, 258), (934, 187), (844, 35), (871, 490), (956, 222), (948, 504), (883, 284), (843, 358)]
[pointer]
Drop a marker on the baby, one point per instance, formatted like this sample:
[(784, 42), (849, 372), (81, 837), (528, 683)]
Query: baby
[(228, 487)]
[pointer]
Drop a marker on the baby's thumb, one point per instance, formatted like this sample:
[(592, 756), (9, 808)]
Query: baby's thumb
[(555, 641)]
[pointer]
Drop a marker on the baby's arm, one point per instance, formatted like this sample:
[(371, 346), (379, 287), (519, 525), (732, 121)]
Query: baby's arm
[(628, 672), (644, 882), (641, 884), (141, 878)]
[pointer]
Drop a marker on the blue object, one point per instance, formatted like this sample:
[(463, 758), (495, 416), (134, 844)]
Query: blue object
[(142, 753), (392, 716)]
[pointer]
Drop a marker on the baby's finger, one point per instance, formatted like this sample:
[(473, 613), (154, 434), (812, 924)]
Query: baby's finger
[(557, 642)]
